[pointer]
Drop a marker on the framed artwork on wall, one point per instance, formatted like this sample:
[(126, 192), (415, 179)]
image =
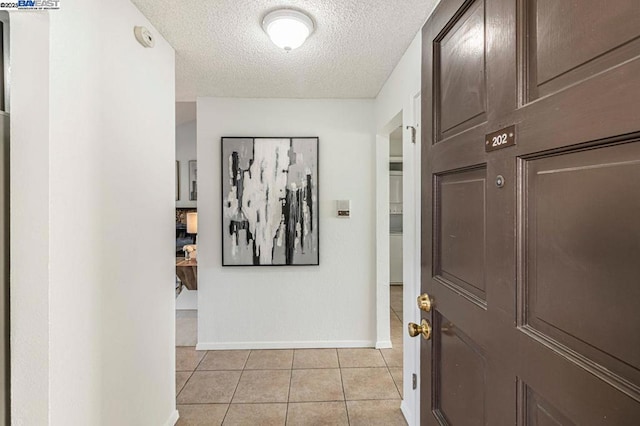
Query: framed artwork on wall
[(193, 180), (177, 180), (270, 201)]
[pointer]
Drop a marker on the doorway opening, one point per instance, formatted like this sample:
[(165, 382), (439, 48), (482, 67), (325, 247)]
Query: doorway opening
[(186, 242), (395, 354), (395, 212), (398, 194), (5, 353)]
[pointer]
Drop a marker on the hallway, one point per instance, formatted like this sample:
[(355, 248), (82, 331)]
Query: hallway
[(293, 387)]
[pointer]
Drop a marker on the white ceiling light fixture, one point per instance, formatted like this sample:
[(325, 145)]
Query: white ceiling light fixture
[(287, 28)]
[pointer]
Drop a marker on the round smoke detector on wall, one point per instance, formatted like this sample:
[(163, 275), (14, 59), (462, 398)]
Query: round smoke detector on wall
[(144, 36)]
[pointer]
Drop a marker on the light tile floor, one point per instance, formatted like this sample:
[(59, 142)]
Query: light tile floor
[(186, 327), (294, 386)]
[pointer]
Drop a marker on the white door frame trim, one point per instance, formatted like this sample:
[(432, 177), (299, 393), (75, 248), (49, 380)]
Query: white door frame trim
[(383, 332), (408, 116), (411, 261)]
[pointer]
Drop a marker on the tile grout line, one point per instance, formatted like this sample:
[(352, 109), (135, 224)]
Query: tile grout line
[(346, 406), (236, 388), (190, 375), (389, 367), (389, 372), (290, 369), (286, 416)]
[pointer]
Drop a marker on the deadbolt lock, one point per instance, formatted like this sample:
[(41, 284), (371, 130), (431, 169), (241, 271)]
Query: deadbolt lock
[(424, 302), (424, 329)]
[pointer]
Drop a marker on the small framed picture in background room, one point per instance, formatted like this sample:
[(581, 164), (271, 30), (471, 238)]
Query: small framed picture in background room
[(177, 180), (193, 180)]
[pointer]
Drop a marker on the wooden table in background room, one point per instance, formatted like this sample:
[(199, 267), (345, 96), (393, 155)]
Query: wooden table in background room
[(187, 272)]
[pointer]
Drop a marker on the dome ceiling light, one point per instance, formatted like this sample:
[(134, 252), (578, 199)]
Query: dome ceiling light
[(287, 28)]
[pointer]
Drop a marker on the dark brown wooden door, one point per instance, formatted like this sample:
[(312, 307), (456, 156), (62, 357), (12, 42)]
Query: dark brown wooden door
[(531, 253)]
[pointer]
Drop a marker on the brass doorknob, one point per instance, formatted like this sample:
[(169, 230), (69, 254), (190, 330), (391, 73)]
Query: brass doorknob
[(424, 302), (424, 328)]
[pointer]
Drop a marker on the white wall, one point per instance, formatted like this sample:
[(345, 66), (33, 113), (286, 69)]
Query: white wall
[(138, 225), (330, 305), (403, 83), (29, 218), (92, 171), (397, 104), (185, 151)]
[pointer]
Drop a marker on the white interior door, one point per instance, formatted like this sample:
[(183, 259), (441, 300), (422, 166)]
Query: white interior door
[(411, 261)]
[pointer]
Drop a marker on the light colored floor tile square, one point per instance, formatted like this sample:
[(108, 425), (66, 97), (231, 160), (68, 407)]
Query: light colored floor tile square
[(263, 386), (317, 414), (397, 332), (360, 357), (186, 313), (316, 385), (256, 414), (395, 297), (181, 379), (209, 387), (395, 321), (270, 359), (396, 373), (374, 413), (368, 383), (186, 327), (315, 358), (187, 358), (397, 343), (224, 360), (393, 357), (201, 414)]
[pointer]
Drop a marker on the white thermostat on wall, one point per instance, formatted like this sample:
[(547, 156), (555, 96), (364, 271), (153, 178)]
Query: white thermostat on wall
[(344, 208), (144, 36)]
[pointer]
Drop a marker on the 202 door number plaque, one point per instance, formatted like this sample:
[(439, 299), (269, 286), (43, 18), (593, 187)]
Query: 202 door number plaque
[(503, 138)]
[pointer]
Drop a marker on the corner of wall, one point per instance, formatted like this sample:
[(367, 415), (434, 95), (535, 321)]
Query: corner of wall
[(29, 218)]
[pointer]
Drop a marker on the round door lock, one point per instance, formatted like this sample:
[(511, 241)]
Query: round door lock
[(424, 302), (499, 181), (423, 329)]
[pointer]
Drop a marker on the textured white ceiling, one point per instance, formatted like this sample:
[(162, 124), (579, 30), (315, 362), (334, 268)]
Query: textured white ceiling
[(221, 49)]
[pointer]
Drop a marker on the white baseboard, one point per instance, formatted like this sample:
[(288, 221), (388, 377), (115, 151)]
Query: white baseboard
[(319, 344), (173, 418), (384, 344), (408, 415)]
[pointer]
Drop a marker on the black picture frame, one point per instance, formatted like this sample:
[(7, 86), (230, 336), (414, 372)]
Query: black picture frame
[(303, 253)]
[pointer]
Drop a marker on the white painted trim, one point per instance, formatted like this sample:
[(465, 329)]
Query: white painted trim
[(407, 413), (383, 329), (384, 345), (411, 258), (173, 418), (320, 344), (413, 268)]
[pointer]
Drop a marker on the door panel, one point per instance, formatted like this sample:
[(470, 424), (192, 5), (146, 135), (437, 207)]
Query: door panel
[(565, 47), (459, 388), (539, 412), (575, 388), (583, 246), (460, 71), (535, 282), (460, 243)]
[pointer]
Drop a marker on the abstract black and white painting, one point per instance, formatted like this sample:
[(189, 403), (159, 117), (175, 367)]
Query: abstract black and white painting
[(270, 201)]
